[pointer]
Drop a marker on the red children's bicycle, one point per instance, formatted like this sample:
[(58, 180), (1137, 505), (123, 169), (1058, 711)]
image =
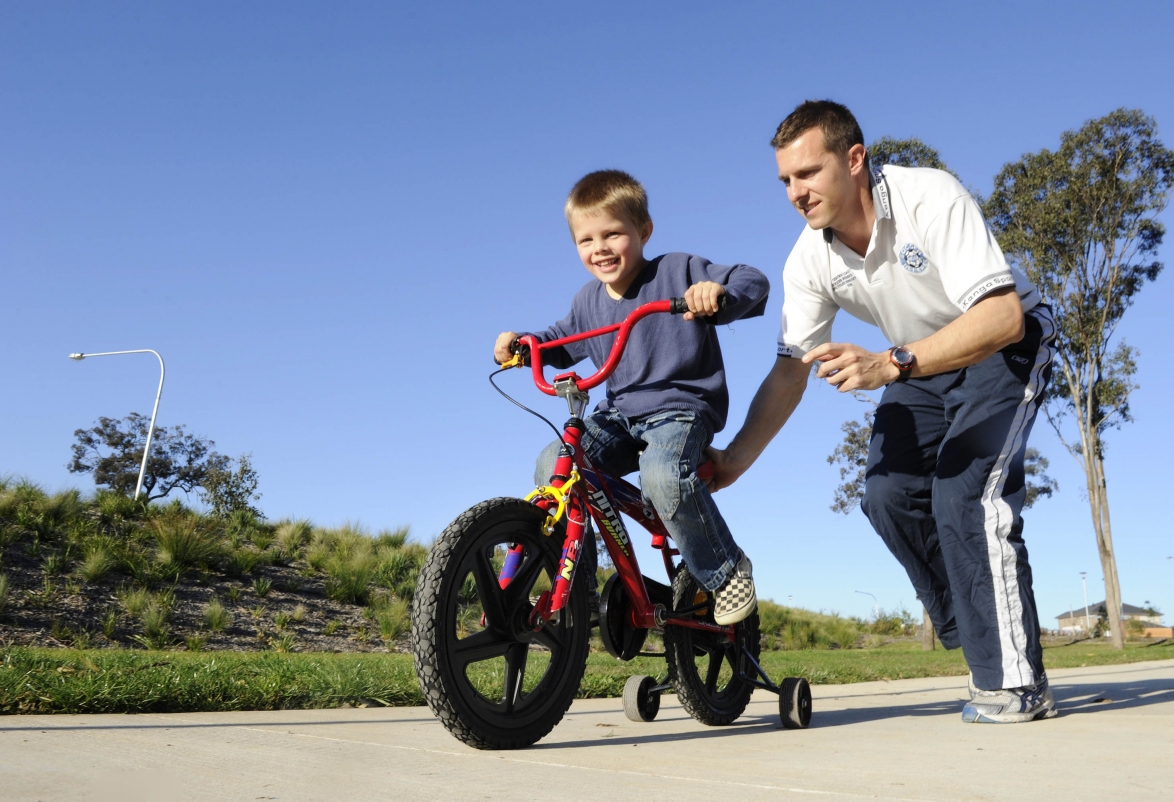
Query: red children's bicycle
[(501, 620)]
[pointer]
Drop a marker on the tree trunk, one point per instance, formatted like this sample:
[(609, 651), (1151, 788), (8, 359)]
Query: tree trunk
[(927, 638), (1098, 502)]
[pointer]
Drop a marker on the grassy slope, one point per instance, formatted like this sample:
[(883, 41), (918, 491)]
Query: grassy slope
[(123, 681)]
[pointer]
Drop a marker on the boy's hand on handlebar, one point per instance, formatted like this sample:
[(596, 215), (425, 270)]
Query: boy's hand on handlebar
[(702, 299), (501, 349)]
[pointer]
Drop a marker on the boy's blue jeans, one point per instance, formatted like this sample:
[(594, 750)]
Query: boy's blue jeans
[(666, 448)]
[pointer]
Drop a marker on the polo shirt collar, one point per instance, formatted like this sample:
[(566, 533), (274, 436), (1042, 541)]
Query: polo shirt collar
[(880, 200)]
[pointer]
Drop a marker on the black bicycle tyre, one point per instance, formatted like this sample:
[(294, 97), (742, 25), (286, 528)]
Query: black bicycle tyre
[(450, 694), (640, 703), (795, 703), (699, 695)]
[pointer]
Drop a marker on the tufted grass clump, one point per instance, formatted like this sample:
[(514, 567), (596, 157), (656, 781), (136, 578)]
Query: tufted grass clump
[(216, 616), (186, 540), (99, 561), (393, 619)]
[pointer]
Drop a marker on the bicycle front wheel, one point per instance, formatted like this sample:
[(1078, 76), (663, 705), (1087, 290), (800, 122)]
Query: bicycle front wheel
[(490, 680)]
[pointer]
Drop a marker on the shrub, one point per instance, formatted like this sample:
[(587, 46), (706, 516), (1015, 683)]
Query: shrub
[(3, 592), (793, 628), (281, 620), (242, 561), (110, 623), (394, 620), (262, 586), (284, 643), (156, 633), (97, 563), (292, 536), (349, 579), (195, 643), (216, 617), (299, 613), (134, 600), (185, 540)]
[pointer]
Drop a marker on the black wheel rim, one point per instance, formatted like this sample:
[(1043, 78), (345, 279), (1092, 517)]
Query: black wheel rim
[(501, 670), (716, 661)]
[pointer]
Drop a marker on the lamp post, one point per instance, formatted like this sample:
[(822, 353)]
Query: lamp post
[(1084, 584), (875, 606), (154, 412)]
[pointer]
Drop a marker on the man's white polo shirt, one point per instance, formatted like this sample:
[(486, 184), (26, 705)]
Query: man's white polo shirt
[(930, 258)]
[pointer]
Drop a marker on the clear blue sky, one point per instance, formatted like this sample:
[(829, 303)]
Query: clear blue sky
[(323, 214)]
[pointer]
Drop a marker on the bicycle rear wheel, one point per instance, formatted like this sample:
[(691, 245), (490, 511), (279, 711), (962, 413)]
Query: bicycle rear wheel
[(490, 680), (703, 666)]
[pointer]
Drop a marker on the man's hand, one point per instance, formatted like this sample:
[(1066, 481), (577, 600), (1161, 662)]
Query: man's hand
[(501, 349), (702, 299), (849, 367), (725, 473)]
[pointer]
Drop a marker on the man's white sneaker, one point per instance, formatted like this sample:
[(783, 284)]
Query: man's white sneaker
[(736, 599), (1010, 705)]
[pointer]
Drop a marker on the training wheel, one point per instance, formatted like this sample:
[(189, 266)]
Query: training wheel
[(794, 703), (640, 703)]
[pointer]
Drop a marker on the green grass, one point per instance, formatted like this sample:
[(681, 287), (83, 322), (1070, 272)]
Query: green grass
[(132, 681)]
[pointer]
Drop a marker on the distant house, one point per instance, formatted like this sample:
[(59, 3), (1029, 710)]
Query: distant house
[(1075, 620)]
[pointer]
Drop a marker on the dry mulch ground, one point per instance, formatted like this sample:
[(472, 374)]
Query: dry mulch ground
[(63, 611)]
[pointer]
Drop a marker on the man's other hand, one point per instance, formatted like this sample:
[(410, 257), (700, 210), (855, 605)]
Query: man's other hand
[(724, 471), (849, 367)]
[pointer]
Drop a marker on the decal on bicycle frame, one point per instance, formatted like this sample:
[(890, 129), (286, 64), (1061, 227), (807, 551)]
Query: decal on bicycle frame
[(611, 520)]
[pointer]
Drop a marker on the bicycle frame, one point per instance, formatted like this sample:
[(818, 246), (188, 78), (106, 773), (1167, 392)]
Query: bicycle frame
[(577, 490)]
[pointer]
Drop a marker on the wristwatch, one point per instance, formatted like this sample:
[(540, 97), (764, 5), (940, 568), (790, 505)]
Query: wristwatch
[(902, 359)]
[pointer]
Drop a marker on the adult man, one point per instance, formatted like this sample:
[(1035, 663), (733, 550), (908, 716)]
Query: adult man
[(908, 250)]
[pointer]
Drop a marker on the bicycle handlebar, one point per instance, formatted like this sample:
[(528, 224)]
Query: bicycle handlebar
[(674, 306)]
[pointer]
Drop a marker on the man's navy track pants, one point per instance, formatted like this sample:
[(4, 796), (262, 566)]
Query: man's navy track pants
[(944, 489)]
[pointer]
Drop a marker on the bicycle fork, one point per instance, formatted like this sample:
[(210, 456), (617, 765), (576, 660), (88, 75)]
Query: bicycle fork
[(563, 496)]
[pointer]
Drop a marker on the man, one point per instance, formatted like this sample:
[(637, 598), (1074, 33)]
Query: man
[(908, 250)]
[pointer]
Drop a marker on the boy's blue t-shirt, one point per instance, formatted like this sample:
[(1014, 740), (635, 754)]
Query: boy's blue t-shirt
[(669, 363)]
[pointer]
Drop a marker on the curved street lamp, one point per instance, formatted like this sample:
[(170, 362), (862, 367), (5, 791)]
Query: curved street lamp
[(154, 412), (875, 605)]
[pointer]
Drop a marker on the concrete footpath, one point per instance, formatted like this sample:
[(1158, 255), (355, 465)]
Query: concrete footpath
[(902, 740)]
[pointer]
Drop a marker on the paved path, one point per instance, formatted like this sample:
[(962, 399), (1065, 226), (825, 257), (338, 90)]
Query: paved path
[(900, 740)]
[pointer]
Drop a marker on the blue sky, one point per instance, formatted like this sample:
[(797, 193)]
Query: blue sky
[(323, 214)]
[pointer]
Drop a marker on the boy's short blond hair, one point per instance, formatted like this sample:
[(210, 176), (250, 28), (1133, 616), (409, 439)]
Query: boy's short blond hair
[(612, 191)]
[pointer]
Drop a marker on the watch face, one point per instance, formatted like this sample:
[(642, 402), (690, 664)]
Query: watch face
[(903, 358)]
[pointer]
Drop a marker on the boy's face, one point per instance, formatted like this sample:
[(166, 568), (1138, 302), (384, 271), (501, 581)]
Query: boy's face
[(820, 184), (612, 249)]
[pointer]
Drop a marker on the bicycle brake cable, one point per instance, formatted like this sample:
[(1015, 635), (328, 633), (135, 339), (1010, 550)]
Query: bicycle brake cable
[(515, 402)]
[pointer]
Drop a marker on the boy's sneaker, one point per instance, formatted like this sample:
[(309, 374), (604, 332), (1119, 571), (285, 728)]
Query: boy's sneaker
[(735, 599), (1010, 705)]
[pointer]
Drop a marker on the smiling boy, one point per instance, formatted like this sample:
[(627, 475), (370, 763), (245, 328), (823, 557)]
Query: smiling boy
[(667, 398)]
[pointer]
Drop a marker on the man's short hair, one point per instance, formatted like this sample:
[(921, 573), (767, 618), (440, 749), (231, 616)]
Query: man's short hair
[(612, 191), (839, 126)]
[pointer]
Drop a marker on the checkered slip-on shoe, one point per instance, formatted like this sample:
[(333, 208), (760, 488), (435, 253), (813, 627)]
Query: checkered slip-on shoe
[(735, 599), (1011, 705)]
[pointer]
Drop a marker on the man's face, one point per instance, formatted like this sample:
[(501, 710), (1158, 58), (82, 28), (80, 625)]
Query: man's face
[(819, 183), (611, 249)]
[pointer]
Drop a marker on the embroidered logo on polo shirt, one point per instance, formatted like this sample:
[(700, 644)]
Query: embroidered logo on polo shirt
[(913, 260)]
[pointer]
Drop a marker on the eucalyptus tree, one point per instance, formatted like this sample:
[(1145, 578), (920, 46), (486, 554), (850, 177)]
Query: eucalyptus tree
[(1082, 222)]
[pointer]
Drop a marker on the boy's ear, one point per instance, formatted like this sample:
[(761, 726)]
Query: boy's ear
[(646, 232)]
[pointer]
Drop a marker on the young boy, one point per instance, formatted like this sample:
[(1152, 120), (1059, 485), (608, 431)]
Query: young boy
[(667, 397)]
